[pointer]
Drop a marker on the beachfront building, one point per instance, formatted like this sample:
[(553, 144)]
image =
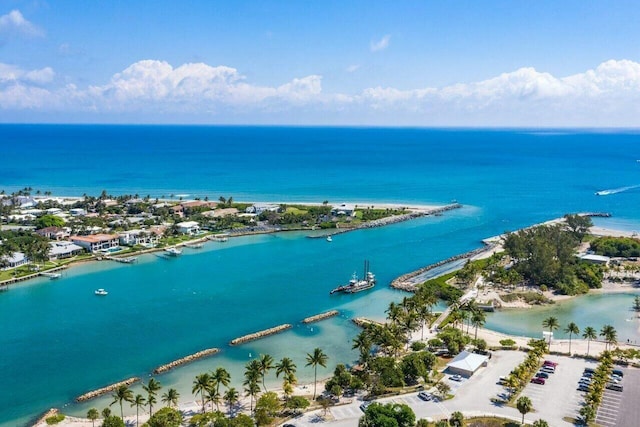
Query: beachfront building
[(343, 210), (96, 242), (64, 249), (14, 260), (596, 259), (77, 212), (137, 237), (467, 363), (259, 208), (188, 227), (54, 233)]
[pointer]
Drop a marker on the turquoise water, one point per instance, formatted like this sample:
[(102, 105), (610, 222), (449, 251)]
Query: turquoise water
[(594, 310), (59, 340)]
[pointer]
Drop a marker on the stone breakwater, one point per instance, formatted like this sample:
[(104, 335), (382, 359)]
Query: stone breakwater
[(105, 390), (261, 334), (186, 359), (363, 322), (321, 316), (404, 282), (42, 420)]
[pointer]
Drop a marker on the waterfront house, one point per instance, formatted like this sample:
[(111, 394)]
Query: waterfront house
[(259, 208), (15, 260), (343, 210), (64, 249), (466, 363), (77, 212), (137, 237), (54, 233), (96, 242), (188, 227)]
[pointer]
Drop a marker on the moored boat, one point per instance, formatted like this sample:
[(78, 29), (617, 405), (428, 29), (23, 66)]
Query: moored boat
[(356, 285), (101, 292), (173, 251)]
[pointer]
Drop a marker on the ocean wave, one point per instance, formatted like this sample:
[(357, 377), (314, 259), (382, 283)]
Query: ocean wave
[(616, 190)]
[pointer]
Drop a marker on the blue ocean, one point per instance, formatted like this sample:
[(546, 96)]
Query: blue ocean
[(58, 340)]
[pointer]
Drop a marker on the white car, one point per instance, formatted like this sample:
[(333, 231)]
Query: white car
[(456, 377)]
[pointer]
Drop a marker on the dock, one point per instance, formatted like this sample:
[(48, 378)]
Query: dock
[(186, 359), (104, 390), (129, 260), (260, 334), (4, 285), (321, 316)]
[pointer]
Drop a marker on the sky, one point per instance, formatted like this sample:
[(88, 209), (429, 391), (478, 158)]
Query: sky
[(409, 63)]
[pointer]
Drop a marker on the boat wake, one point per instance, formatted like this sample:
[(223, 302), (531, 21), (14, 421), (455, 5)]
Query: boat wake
[(616, 190)]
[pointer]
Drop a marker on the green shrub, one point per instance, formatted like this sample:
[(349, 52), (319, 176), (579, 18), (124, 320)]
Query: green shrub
[(508, 342), (418, 345), (54, 419)]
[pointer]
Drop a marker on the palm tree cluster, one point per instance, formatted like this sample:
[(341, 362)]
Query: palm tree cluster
[(208, 386), (608, 332), (468, 312), (522, 374)]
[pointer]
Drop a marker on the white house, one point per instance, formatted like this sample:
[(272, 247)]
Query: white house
[(466, 363), (96, 242), (77, 212), (137, 237), (188, 227), (15, 260), (596, 259), (64, 249), (259, 208), (344, 209)]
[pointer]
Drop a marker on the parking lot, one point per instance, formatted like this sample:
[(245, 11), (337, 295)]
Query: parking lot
[(621, 408)]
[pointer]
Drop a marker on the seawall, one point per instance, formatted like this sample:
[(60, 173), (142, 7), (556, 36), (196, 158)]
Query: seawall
[(321, 316), (107, 389), (261, 334), (186, 359)]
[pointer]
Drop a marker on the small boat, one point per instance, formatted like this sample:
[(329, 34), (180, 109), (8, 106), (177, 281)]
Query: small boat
[(101, 292), (195, 245), (329, 239), (52, 276), (219, 238), (356, 285), (173, 251)]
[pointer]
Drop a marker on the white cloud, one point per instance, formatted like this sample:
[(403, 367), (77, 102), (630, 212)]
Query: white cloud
[(11, 73), (381, 44), (353, 68), (14, 24), (608, 95)]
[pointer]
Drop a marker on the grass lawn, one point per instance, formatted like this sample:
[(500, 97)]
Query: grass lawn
[(490, 422)]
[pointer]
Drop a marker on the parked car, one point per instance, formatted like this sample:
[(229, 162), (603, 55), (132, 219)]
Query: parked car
[(537, 380), (589, 370), (548, 369), (542, 375), (550, 363), (425, 396), (583, 387), (618, 372), (584, 381), (502, 380), (456, 377), (614, 387), (364, 406)]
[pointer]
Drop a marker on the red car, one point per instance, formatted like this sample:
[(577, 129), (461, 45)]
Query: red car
[(538, 380), (550, 363)]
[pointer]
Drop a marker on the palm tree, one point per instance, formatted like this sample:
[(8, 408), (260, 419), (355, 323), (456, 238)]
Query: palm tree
[(524, 406), (609, 334), (201, 385), (220, 376), (251, 378), (477, 319), (362, 342), (288, 368), (93, 415), (213, 395), (266, 363), (123, 393), (551, 323), (589, 334), (152, 389), (540, 423), (317, 358), (170, 398), (138, 401), (571, 329), (231, 397)]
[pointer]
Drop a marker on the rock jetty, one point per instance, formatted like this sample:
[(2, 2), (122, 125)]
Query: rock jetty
[(186, 359), (261, 334), (321, 316), (363, 322), (105, 390), (404, 282), (42, 420)]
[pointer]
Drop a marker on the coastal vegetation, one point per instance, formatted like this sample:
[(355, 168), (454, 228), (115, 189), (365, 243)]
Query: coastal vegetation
[(616, 246)]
